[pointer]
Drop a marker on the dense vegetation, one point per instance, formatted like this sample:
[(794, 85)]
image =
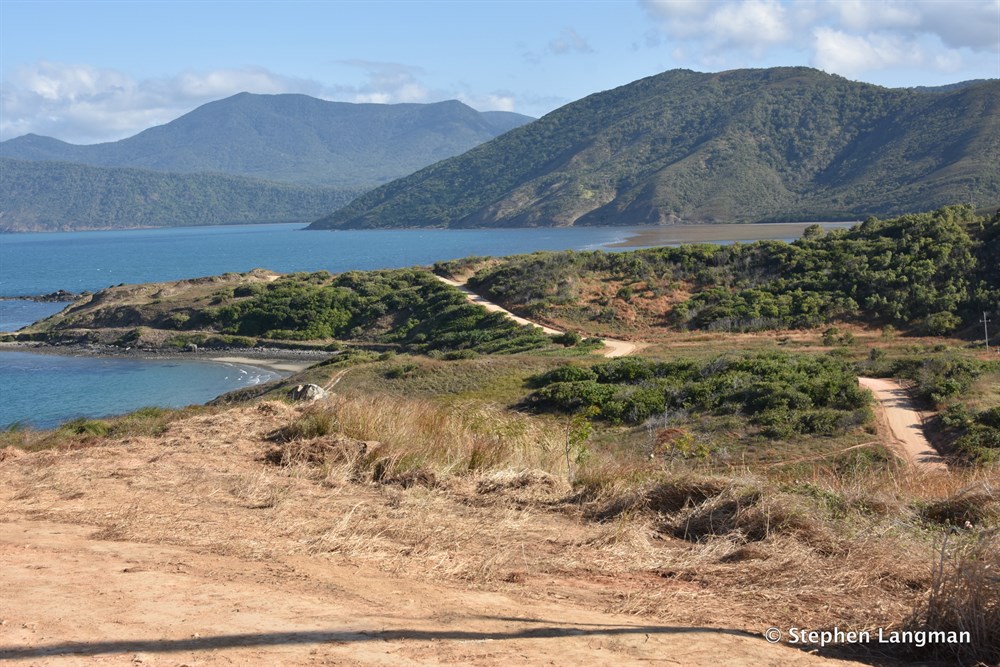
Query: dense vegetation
[(290, 138), (53, 196), (744, 145), (407, 307), (400, 309), (782, 394), (933, 271), (976, 432)]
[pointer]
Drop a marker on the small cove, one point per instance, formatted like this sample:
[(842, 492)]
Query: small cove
[(43, 390)]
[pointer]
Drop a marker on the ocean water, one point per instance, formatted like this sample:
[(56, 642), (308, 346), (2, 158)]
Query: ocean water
[(43, 390), (32, 264), (15, 314)]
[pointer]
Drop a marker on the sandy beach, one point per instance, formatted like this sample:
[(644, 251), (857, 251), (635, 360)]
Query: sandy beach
[(281, 365), (713, 233), (276, 359)]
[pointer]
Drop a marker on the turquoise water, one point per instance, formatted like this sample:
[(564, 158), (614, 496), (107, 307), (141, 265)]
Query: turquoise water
[(45, 389)]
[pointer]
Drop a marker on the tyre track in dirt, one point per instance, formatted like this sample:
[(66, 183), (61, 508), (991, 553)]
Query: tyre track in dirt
[(904, 424)]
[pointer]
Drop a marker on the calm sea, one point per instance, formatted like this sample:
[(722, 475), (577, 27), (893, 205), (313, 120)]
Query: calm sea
[(43, 390)]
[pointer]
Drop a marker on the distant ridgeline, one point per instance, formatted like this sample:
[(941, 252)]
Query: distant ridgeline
[(247, 158), (59, 196), (739, 146), (935, 272)]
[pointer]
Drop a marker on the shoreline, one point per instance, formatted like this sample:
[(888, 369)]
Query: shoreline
[(666, 235), (280, 360)]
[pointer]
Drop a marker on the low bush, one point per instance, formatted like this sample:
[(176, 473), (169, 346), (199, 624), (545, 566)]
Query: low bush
[(783, 394)]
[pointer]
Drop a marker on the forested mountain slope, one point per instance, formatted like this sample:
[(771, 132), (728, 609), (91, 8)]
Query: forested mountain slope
[(292, 138), (744, 145)]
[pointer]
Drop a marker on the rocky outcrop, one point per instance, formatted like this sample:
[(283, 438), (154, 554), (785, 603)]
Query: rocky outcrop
[(307, 392)]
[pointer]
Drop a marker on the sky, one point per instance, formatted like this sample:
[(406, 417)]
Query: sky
[(86, 71)]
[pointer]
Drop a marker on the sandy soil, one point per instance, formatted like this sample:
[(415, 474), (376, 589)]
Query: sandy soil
[(904, 423), (188, 549), (71, 599), (612, 347), (706, 233), (283, 365)]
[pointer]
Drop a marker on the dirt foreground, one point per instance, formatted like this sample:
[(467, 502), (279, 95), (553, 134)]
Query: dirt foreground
[(70, 599), (189, 549)]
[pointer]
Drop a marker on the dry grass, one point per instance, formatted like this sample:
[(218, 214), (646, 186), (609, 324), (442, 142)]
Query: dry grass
[(965, 596), (415, 434), (478, 495)]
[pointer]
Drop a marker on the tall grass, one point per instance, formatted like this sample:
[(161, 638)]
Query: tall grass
[(965, 596), (410, 435)]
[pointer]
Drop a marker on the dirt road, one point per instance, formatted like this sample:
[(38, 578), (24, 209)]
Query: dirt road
[(612, 347), (904, 423)]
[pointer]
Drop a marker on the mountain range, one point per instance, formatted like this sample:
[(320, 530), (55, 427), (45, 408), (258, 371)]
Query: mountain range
[(789, 143), (290, 138), (246, 158)]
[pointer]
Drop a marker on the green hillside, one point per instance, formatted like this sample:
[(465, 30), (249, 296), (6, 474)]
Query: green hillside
[(933, 273), (291, 138), (58, 196), (744, 145)]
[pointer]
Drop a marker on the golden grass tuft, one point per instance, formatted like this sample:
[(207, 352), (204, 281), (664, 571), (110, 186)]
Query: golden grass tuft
[(403, 436), (965, 596)]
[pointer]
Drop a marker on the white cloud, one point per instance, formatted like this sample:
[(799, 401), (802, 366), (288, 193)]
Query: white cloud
[(755, 24), (848, 37), (861, 15), (851, 55), (569, 41), (386, 83), (497, 101), (86, 104)]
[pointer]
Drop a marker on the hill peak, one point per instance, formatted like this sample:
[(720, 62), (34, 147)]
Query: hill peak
[(740, 145), (290, 137)]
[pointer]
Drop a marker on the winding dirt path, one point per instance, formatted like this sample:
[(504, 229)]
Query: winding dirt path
[(896, 408), (612, 346), (904, 423)]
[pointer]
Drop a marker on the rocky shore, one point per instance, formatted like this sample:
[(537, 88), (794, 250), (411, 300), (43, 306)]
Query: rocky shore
[(276, 358), (59, 296)]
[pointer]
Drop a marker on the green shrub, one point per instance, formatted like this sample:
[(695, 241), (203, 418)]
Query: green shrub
[(567, 339), (563, 374), (783, 394), (941, 323)]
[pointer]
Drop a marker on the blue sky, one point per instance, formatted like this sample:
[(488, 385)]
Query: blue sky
[(96, 71)]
